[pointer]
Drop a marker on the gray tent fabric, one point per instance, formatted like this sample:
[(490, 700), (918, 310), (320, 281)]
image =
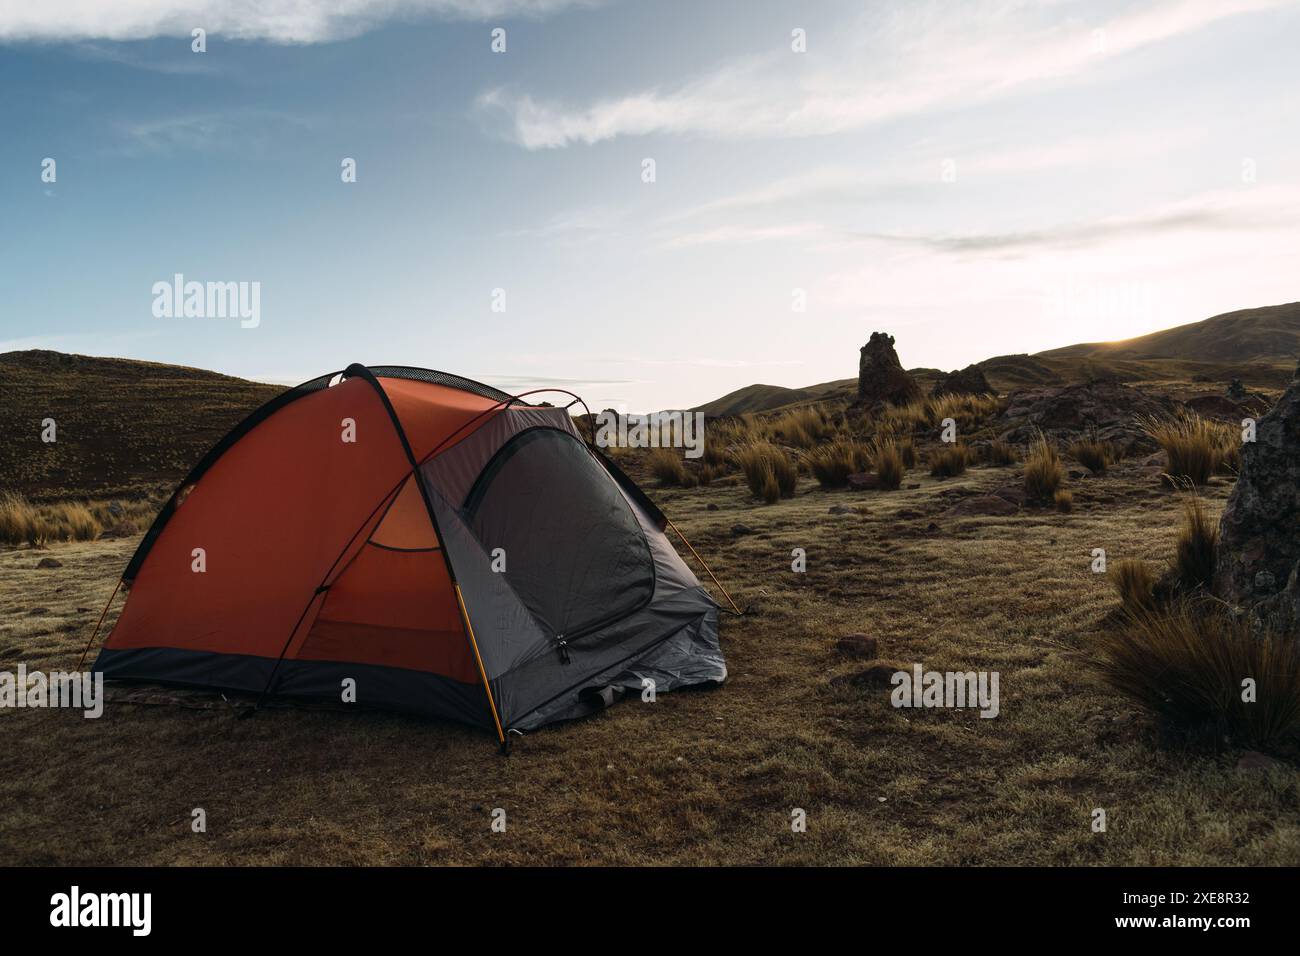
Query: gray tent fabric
[(578, 551)]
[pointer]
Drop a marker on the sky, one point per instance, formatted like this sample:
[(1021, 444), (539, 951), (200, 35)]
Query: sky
[(650, 204)]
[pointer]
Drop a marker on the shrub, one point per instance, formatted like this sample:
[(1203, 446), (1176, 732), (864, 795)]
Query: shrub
[(666, 465), (887, 461), (949, 461), (1193, 445), (1093, 454), (1064, 499), (1136, 584), (766, 466), (1198, 538), (1186, 667), (1043, 471), (1001, 453), (831, 464)]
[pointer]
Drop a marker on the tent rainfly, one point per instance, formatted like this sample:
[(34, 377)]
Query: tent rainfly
[(428, 542)]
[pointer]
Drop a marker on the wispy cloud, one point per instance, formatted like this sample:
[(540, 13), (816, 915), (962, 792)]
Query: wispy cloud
[(279, 21), (910, 60), (248, 131)]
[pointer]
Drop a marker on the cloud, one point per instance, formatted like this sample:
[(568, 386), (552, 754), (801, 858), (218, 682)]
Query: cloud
[(245, 131), (912, 59), (279, 21)]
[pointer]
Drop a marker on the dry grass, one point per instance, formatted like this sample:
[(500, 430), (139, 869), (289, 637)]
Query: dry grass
[(1135, 582), (1001, 453), (1187, 666), (769, 471), (949, 461), (1198, 538), (667, 466), (832, 463), (887, 461), (1196, 447), (802, 427), (21, 522), (1094, 455), (1064, 500), (1044, 474)]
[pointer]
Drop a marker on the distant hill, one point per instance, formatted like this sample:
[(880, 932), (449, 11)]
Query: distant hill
[(1258, 346), (123, 427), (1266, 335)]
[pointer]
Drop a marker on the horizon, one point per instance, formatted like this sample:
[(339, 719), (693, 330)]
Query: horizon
[(976, 179)]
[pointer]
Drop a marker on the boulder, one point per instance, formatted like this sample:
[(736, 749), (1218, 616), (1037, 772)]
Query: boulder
[(876, 674), (882, 380), (1236, 391), (863, 481), (49, 563), (967, 381), (1106, 409), (981, 505), (1259, 533)]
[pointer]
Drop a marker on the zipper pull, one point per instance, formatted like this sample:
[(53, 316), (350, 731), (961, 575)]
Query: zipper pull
[(563, 646)]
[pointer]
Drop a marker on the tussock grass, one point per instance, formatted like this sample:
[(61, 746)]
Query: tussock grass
[(1198, 538), (1001, 453), (887, 461), (1135, 583), (1196, 447), (1064, 500), (1186, 667), (769, 471), (949, 461), (1093, 454), (967, 411), (832, 463), (21, 522), (1044, 474), (667, 466), (802, 427)]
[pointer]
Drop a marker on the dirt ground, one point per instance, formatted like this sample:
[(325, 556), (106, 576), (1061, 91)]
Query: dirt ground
[(706, 777)]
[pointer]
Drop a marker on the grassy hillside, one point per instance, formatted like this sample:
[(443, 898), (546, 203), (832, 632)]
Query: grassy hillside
[(1264, 335), (122, 426)]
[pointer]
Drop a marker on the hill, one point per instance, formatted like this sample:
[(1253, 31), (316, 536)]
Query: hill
[(1263, 335), (122, 427)]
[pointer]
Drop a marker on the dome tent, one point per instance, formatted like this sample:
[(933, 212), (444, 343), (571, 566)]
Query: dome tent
[(451, 550)]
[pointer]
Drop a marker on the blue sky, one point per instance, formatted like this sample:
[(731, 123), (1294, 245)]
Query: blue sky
[(976, 177)]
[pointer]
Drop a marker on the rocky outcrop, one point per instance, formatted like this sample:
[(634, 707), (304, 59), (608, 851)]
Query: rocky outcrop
[(881, 376), (1258, 562), (967, 381), (1105, 408)]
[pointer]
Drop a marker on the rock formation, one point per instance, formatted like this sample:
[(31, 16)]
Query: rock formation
[(1103, 408), (1258, 562), (967, 381), (881, 376)]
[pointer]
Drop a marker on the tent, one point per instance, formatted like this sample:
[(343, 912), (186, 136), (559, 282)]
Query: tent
[(426, 542)]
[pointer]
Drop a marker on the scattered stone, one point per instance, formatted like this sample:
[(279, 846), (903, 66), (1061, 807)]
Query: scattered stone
[(1265, 583), (877, 674), (49, 563), (37, 611), (1258, 530), (912, 486), (83, 610), (1015, 494), (981, 505), (115, 509), (1254, 760), (863, 481), (1237, 391), (1075, 474), (711, 507), (860, 646), (881, 376), (839, 510), (1105, 408), (737, 530), (931, 527), (967, 381)]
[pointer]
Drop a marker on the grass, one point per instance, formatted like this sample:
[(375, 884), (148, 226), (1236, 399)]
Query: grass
[(949, 461), (1194, 550), (832, 463), (1094, 455), (667, 466), (21, 522), (1135, 583), (1044, 473), (1186, 666), (1064, 500), (1001, 453), (769, 471), (887, 461), (1196, 447), (802, 427)]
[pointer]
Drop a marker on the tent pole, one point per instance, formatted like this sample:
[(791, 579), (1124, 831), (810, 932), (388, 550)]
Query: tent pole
[(704, 565), (95, 633)]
